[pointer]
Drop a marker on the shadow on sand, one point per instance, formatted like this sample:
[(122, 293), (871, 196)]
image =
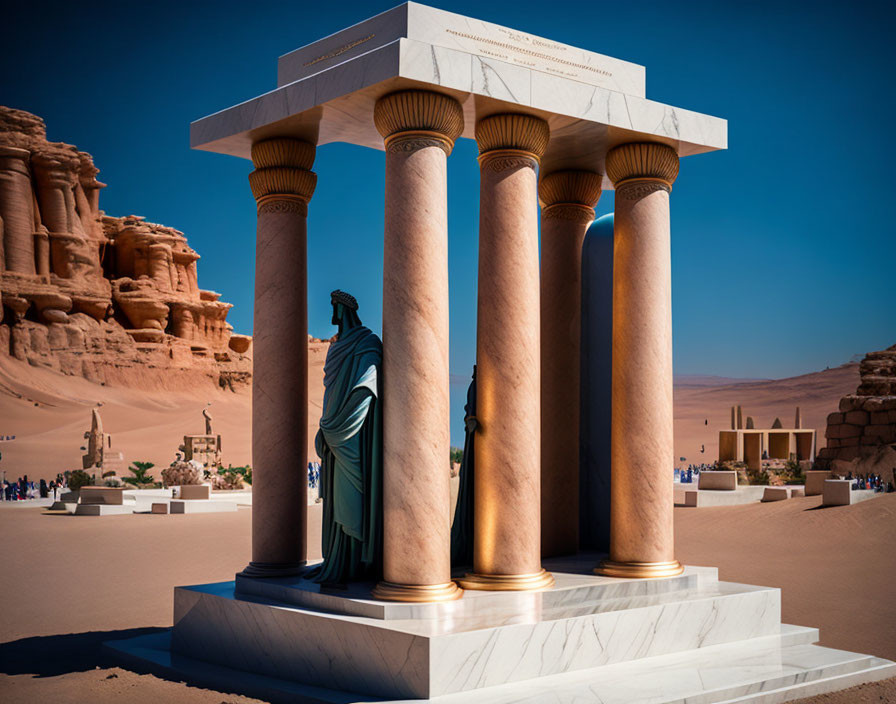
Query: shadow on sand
[(51, 656)]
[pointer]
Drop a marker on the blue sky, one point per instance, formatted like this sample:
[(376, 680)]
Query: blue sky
[(784, 255)]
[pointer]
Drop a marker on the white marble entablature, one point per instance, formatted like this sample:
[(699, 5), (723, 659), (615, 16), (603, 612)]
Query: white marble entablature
[(449, 30), (336, 105)]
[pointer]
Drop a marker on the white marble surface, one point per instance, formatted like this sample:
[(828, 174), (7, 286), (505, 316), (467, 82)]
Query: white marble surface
[(764, 670), (448, 30), (335, 103), (587, 622), (575, 587)]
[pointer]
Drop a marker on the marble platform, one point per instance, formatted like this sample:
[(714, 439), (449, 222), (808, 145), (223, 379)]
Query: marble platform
[(689, 638)]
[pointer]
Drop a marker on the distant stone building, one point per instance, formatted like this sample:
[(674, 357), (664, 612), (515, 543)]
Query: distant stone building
[(91, 295), (863, 430)]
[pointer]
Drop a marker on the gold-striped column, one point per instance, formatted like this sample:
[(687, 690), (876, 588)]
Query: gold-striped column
[(282, 184), (568, 199), (641, 530), (507, 506), (419, 129)]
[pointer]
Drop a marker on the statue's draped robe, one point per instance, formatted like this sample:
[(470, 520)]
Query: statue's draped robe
[(350, 446), (462, 528)]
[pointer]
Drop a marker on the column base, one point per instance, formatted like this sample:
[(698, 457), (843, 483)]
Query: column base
[(639, 570), (507, 582), (272, 569), (416, 593)]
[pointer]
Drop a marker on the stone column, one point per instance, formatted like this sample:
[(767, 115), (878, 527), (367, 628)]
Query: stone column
[(641, 535), (282, 184), (16, 210), (507, 507), (568, 199), (419, 129), (52, 183)]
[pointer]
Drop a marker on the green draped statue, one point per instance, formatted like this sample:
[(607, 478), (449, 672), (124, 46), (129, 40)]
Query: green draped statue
[(462, 528), (350, 445)]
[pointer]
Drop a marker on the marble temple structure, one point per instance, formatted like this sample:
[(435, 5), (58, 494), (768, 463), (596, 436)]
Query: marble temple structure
[(112, 299), (554, 124)]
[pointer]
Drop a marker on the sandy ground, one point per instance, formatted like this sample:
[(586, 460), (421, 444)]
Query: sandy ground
[(702, 399), (69, 583), (48, 413)]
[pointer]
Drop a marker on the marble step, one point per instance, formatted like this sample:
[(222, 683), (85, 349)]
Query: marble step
[(569, 588), (431, 657), (767, 670)]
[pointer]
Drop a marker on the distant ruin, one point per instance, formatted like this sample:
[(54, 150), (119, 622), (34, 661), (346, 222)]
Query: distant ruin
[(110, 299), (863, 431)]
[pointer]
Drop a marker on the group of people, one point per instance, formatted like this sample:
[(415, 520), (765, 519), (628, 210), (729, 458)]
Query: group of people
[(872, 482), (689, 475), (22, 489), (313, 474)]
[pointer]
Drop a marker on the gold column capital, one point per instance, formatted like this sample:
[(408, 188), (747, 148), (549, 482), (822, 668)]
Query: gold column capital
[(509, 140), (412, 119), (569, 195), (283, 180), (648, 165)]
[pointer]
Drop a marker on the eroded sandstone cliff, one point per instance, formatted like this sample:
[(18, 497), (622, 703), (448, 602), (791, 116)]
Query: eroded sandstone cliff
[(115, 300)]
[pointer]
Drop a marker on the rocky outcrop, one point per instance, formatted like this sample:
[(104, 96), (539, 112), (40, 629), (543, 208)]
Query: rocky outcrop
[(113, 299), (863, 430)]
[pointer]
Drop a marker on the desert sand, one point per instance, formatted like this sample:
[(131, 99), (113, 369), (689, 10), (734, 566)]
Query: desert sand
[(48, 413), (70, 583)]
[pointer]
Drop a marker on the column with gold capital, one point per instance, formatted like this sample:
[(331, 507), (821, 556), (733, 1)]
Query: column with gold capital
[(507, 491), (568, 199), (642, 453), (419, 129), (282, 184)]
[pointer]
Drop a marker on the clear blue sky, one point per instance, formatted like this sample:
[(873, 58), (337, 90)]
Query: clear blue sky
[(784, 254)]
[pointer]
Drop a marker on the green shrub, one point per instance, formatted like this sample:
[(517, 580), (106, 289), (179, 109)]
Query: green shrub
[(142, 479), (77, 479)]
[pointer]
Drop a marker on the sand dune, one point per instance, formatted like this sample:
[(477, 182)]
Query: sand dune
[(48, 413)]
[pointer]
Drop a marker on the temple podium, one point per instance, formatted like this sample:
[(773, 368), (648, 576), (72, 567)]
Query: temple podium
[(555, 125)]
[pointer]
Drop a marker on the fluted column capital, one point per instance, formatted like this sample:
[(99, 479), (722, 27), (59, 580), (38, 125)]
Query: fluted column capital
[(569, 195), (510, 140), (412, 119), (283, 180), (640, 168)]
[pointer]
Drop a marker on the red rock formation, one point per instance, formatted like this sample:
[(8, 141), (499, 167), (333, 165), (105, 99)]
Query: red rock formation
[(113, 299), (863, 431)]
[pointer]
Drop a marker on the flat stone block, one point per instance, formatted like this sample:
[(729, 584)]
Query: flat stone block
[(776, 493), (103, 510), (743, 495), (815, 482), (101, 495), (180, 506), (723, 480), (159, 508), (195, 492), (837, 492)]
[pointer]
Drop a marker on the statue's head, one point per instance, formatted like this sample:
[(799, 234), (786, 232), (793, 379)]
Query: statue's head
[(346, 300)]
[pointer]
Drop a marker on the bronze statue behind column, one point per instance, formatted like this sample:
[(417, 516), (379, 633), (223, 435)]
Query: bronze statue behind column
[(350, 445)]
